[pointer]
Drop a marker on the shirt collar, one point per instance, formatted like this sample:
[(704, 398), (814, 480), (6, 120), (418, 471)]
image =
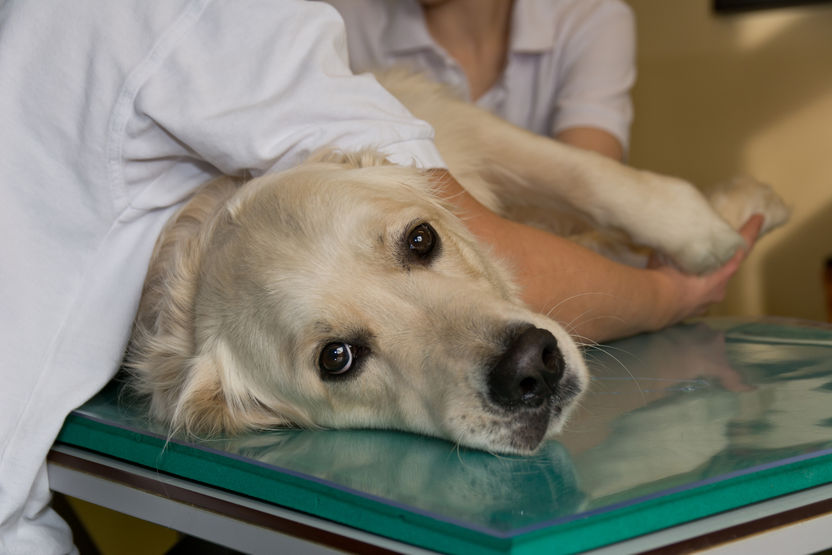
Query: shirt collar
[(532, 26)]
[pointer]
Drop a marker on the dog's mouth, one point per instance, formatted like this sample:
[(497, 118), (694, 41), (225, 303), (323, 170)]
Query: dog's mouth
[(527, 392), (521, 428)]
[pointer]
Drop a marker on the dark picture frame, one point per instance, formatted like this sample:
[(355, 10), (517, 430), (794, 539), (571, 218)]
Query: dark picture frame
[(733, 6)]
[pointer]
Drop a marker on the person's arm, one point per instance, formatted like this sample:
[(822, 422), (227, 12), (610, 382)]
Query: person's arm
[(595, 298), (593, 138), (271, 112), (593, 105)]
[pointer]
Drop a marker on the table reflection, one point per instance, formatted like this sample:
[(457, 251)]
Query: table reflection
[(696, 401), (497, 491)]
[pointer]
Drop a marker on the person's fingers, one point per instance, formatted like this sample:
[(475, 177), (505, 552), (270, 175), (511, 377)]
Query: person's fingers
[(730, 268), (750, 230)]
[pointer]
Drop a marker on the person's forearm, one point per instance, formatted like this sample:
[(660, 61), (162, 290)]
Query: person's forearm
[(593, 138), (592, 296)]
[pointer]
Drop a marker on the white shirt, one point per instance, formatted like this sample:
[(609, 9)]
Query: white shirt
[(111, 114), (570, 63)]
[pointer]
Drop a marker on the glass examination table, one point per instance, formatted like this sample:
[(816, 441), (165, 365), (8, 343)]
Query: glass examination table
[(712, 434)]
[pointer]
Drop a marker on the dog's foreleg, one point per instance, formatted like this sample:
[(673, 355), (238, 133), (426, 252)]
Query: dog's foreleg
[(531, 175)]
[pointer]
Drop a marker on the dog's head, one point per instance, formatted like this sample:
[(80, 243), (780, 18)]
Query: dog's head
[(341, 294)]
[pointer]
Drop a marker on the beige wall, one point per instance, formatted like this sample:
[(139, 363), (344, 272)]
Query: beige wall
[(748, 93)]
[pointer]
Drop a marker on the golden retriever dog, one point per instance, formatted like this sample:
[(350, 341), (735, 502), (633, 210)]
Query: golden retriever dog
[(344, 294)]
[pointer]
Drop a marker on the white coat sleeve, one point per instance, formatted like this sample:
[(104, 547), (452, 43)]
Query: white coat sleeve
[(258, 89)]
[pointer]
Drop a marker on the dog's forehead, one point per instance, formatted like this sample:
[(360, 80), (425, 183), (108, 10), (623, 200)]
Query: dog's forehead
[(312, 229), (319, 208)]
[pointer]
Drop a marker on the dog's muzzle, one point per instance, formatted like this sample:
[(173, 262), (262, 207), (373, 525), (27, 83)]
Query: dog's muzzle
[(526, 375)]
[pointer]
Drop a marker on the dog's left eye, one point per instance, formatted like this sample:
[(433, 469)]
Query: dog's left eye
[(422, 241), (338, 358)]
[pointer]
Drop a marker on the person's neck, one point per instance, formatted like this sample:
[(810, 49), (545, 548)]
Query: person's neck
[(476, 34)]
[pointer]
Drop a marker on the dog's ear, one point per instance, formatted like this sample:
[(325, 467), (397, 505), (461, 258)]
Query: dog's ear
[(358, 159), (202, 408), (187, 384), (212, 400)]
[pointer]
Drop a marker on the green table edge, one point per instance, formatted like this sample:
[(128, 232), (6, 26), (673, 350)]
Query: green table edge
[(283, 488), (366, 512)]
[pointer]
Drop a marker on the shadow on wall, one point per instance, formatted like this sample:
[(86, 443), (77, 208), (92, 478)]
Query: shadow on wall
[(703, 91), (799, 254)]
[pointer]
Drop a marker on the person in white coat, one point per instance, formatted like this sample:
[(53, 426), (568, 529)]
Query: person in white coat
[(112, 114)]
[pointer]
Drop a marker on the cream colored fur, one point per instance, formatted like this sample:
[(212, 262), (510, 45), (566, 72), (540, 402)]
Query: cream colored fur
[(249, 281)]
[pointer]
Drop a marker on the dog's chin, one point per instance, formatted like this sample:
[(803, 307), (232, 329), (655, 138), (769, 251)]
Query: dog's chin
[(511, 432), (529, 430), (523, 435)]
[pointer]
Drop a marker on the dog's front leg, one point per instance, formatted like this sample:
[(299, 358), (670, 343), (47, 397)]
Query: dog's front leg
[(531, 175)]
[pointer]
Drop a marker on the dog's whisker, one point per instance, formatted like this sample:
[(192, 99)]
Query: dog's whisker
[(498, 456), (574, 322), (558, 304), (457, 448), (583, 341), (601, 317), (603, 347), (607, 352)]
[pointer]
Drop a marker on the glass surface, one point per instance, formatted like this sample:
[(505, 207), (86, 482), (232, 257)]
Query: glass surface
[(700, 409)]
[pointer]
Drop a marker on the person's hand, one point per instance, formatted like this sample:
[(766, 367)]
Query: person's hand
[(694, 294)]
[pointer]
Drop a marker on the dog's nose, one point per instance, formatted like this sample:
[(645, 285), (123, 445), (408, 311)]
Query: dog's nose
[(528, 371)]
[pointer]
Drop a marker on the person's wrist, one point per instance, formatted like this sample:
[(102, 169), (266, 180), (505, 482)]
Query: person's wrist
[(666, 300)]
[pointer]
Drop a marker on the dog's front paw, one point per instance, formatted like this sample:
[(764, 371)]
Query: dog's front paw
[(710, 250), (685, 228), (740, 198), (716, 240)]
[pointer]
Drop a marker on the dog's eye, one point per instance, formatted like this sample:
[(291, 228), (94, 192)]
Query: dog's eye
[(336, 358), (421, 241)]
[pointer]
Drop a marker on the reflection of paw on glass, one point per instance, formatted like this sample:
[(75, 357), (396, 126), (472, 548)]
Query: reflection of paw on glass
[(698, 352)]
